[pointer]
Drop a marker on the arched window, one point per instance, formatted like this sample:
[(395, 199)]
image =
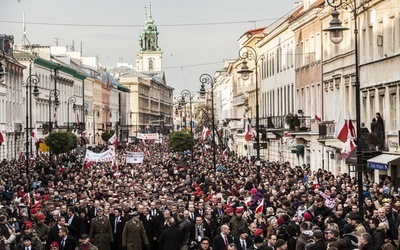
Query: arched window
[(150, 64)]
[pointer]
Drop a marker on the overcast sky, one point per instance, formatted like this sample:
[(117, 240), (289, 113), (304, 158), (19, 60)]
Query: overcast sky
[(194, 35)]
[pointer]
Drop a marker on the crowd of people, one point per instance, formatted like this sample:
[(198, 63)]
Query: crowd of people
[(173, 201)]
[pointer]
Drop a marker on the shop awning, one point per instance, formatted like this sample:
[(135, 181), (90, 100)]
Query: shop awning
[(381, 162)]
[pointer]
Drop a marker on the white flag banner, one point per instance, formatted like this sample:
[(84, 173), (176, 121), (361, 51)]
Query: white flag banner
[(134, 157), (105, 156), (153, 136)]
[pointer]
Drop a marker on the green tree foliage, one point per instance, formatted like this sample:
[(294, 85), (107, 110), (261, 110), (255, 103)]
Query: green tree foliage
[(61, 142), (180, 141), (106, 135)]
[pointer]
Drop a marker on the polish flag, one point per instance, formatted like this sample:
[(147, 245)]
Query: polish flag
[(352, 130), (349, 146), (260, 207), (88, 164), (248, 201), (245, 112), (113, 140), (205, 133), (342, 129), (315, 183), (248, 130), (35, 135), (317, 118), (224, 152)]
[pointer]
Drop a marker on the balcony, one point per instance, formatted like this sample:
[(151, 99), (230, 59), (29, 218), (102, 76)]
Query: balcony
[(326, 130), (278, 122)]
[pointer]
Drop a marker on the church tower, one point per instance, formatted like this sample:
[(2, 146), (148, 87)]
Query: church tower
[(149, 57)]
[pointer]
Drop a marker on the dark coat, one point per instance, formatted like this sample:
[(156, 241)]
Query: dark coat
[(318, 245), (219, 242), (170, 238), (117, 231), (76, 228), (53, 236), (239, 245), (70, 243)]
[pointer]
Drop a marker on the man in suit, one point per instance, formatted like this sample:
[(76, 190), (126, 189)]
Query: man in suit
[(67, 242), (117, 224), (243, 242), (221, 241), (186, 227), (149, 224), (28, 243), (171, 237), (210, 225), (54, 231), (134, 234), (75, 224)]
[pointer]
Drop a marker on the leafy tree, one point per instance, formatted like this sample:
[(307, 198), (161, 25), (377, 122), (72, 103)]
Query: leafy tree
[(180, 141), (61, 142), (105, 136)]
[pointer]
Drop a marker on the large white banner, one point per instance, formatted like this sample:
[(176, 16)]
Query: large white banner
[(153, 136), (105, 156), (134, 157)]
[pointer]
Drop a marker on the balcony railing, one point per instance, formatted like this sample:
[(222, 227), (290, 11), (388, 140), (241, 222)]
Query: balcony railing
[(326, 130), (278, 122)]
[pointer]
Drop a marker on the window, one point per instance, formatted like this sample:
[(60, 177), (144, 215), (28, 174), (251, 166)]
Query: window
[(150, 64)]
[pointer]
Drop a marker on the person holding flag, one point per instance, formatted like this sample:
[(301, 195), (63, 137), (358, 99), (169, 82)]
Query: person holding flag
[(113, 140)]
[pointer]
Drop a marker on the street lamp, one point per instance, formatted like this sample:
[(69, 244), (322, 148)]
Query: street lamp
[(56, 94), (96, 112), (245, 53), (32, 80), (186, 93), (336, 35), (207, 79), (72, 100)]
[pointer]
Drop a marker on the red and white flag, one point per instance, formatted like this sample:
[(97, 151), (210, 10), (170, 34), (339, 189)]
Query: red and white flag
[(248, 201), (88, 164), (224, 152), (35, 135), (315, 183), (260, 207), (352, 130), (317, 118), (342, 129), (113, 140), (245, 113), (248, 130), (205, 133)]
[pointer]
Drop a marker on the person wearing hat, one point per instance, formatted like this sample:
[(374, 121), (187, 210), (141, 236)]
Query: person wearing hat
[(243, 242), (237, 222), (41, 228), (280, 245), (54, 246), (84, 243), (27, 243), (134, 234), (101, 232), (356, 221), (28, 232)]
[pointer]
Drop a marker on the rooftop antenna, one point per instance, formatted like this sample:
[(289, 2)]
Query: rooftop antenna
[(24, 37), (73, 45), (56, 39), (145, 13), (81, 48)]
